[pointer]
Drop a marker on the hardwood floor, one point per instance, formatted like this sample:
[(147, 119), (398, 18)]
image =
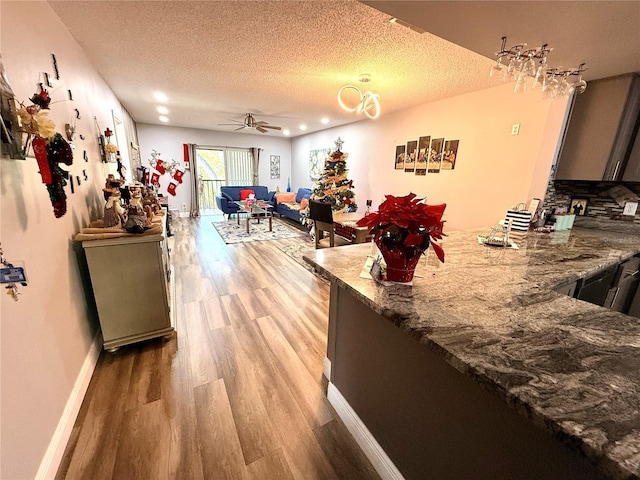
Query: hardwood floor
[(237, 394)]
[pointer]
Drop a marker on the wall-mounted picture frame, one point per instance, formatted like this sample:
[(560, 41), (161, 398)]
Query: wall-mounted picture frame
[(449, 155), (274, 166), (399, 159), (423, 153), (316, 162), (410, 156), (578, 206), (435, 155)]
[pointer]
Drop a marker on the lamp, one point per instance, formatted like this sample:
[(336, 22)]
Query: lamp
[(531, 64), (369, 102)]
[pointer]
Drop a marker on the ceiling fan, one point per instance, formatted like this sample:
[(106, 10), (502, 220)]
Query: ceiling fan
[(250, 122)]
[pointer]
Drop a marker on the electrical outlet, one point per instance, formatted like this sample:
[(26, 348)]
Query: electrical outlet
[(515, 129), (184, 207), (630, 208)]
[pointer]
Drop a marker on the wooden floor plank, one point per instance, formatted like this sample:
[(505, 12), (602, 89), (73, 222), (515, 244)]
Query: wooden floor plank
[(138, 458), (254, 427), (313, 401), (272, 467), (203, 367), (219, 442)]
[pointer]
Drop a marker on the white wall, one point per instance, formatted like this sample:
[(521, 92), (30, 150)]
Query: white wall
[(47, 335), (169, 142), (494, 170)]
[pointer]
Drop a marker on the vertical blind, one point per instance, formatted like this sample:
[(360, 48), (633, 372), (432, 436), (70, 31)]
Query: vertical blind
[(239, 166)]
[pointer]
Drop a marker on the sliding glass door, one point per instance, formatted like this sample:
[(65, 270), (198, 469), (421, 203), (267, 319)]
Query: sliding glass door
[(219, 166)]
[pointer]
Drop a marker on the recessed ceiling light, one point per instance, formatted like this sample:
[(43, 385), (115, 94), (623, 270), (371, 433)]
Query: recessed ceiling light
[(286, 132), (163, 110), (324, 120), (161, 97), (303, 127), (164, 119)]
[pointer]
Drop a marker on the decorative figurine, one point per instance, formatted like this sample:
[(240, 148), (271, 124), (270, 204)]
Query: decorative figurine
[(137, 221), (114, 212)]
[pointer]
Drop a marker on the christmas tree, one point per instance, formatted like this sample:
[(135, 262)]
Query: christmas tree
[(333, 186)]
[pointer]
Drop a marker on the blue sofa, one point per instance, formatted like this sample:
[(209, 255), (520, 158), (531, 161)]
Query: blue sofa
[(293, 211), (229, 195)]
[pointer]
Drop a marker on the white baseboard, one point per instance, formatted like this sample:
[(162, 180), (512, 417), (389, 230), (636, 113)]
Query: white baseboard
[(183, 214), (53, 455), (370, 447), (326, 368)]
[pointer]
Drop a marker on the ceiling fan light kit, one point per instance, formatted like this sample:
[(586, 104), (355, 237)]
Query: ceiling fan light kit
[(250, 122)]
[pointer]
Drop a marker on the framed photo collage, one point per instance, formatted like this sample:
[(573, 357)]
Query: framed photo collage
[(426, 155)]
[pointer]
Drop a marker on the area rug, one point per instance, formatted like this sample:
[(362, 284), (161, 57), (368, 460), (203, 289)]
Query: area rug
[(297, 250), (231, 232)]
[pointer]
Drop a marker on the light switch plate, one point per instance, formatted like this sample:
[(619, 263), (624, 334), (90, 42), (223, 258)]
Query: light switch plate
[(515, 129), (630, 208)]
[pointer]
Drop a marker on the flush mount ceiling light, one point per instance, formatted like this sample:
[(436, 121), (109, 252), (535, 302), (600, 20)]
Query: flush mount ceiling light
[(161, 97), (367, 102)]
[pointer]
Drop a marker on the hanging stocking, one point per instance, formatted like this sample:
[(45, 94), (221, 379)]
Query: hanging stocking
[(40, 151), (155, 179), (160, 167), (178, 176), (172, 188)]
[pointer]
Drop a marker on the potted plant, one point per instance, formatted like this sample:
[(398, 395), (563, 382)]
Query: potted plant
[(403, 228)]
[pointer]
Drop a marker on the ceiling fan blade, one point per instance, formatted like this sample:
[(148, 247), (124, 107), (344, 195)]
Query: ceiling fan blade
[(260, 129), (237, 123), (241, 128), (269, 126)]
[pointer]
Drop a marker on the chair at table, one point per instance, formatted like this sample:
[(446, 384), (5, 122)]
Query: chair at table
[(322, 217)]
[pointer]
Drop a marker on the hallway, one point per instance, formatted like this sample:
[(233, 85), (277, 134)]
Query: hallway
[(237, 394)]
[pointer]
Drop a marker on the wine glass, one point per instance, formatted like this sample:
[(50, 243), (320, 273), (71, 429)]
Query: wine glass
[(580, 85), (498, 67)]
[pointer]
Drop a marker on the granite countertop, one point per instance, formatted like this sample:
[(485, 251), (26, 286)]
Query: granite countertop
[(573, 368)]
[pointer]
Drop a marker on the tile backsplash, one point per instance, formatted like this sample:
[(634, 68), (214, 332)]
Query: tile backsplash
[(601, 206)]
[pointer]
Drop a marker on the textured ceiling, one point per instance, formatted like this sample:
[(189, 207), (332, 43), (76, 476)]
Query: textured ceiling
[(285, 61)]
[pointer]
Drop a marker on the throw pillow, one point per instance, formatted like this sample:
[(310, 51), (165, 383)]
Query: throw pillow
[(304, 203), (227, 196), (286, 197), (244, 194)]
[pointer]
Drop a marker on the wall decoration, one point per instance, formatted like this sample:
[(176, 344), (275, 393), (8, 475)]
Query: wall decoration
[(55, 66), (399, 160), (274, 166), (10, 135), (410, 156), (449, 155), (435, 155), (316, 162), (578, 206), (423, 154)]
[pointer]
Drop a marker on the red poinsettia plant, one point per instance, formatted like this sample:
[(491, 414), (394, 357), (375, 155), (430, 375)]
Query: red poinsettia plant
[(406, 224)]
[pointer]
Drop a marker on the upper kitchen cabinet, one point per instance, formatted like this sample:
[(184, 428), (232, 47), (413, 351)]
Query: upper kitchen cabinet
[(601, 131)]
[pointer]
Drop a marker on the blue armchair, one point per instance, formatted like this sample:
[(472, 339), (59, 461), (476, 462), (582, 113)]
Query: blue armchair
[(231, 194)]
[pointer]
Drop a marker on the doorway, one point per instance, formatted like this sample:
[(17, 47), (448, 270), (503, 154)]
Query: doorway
[(218, 166)]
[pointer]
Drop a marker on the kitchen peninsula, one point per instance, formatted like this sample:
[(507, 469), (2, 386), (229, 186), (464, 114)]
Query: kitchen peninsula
[(480, 369)]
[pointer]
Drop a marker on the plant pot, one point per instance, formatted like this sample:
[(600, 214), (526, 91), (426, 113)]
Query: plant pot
[(401, 261)]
